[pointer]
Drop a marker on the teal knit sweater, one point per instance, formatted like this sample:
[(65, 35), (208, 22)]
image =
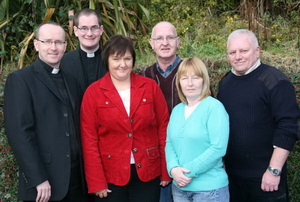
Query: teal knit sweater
[(198, 144)]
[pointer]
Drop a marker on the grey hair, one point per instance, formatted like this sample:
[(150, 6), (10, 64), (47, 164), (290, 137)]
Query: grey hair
[(247, 32), (152, 32)]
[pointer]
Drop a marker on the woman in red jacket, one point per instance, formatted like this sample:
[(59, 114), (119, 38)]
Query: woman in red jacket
[(123, 124)]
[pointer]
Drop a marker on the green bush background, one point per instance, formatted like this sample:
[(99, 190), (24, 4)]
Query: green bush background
[(203, 27)]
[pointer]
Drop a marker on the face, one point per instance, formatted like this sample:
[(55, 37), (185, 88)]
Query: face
[(242, 53), (49, 44), (120, 67), (164, 41), (191, 85), (88, 32)]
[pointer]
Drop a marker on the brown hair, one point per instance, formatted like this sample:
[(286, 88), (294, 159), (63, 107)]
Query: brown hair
[(118, 45), (86, 12)]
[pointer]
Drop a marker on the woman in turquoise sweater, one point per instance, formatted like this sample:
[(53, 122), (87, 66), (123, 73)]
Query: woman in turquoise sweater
[(197, 138)]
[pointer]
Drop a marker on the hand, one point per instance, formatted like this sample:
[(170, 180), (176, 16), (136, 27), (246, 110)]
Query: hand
[(179, 177), (269, 182), (103, 193), (164, 183), (43, 192)]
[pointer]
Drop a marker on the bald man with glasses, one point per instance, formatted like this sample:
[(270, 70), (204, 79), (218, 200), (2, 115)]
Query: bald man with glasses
[(41, 110)]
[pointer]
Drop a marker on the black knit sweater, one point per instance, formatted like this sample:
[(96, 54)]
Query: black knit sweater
[(263, 112)]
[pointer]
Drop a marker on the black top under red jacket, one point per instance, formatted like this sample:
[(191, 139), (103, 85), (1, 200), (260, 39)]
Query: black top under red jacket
[(263, 112)]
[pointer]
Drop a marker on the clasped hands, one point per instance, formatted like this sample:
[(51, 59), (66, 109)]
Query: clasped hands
[(179, 177)]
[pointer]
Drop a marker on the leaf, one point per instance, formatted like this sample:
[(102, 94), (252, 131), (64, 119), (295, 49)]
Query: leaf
[(146, 11), (23, 51), (48, 14)]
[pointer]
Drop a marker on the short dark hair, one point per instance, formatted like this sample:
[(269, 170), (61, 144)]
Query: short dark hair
[(86, 12), (118, 45), (36, 32)]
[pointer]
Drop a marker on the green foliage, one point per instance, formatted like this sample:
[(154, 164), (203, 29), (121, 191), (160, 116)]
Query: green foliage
[(8, 164), (18, 20), (203, 27), (8, 170), (294, 173)]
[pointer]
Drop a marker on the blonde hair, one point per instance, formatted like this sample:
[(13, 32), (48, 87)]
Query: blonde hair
[(199, 68)]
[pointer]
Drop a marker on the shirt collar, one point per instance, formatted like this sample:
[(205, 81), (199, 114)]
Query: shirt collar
[(256, 64), (170, 68), (50, 69), (89, 55)]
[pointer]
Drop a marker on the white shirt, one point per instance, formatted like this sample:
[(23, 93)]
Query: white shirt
[(256, 64)]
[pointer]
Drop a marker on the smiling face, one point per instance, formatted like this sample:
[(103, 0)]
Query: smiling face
[(51, 53), (192, 81), (242, 53), (120, 67), (164, 41), (89, 40), (191, 85)]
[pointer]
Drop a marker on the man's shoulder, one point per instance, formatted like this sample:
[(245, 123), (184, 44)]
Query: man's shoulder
[(226, 77), (149, 71), (25, 75), (141, 79), (25, 70), (71, 53), (271, 76), (272, 72), (150, 67), (70, 57)]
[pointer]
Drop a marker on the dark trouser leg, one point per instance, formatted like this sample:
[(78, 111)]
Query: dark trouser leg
[(237, 189), (249, 190), (143, 191), (134, 191), (166, 193)]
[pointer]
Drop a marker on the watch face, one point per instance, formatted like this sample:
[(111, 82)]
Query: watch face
[(276, 172)]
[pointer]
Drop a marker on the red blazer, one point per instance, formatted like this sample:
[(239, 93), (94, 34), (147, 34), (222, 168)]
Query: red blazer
[(109, 135)]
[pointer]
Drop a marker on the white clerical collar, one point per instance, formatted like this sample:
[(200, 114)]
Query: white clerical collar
[(55, 71), (90, 55), (257, 63)]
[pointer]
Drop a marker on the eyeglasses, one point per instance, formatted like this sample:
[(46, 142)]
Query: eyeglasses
[(93, 29), (160, 39), (50, 42)]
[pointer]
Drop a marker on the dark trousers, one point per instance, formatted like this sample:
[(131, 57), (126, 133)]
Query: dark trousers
[(249, 190), (166, 193), (75, 192), (73, 195), (134, 191)]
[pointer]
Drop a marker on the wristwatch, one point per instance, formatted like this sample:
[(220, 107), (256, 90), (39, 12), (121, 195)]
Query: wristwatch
[(274, 171)]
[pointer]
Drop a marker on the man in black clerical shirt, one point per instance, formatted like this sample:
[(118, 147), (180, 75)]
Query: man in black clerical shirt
[(42, 123), (84, 63)]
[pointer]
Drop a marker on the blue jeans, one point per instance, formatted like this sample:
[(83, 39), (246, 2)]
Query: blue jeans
[(217, 195)]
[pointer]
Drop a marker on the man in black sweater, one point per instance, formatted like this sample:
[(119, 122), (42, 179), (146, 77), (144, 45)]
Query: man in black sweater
[(263, 111)]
